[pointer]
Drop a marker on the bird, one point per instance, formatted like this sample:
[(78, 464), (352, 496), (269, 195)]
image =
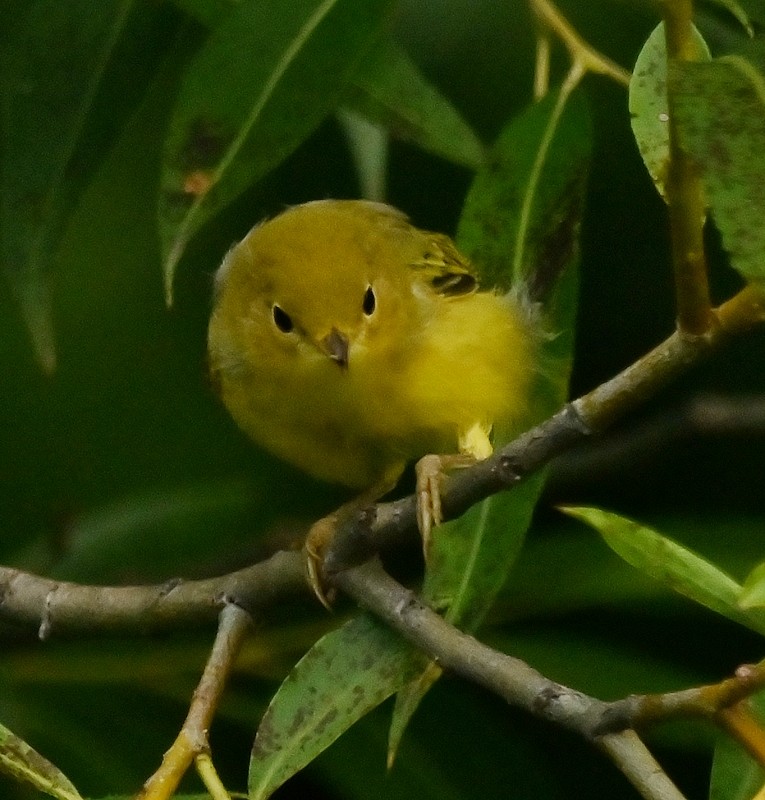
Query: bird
[(349, 343)]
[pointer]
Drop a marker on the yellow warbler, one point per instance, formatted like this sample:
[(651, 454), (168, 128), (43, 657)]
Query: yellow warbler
[(349, 343)]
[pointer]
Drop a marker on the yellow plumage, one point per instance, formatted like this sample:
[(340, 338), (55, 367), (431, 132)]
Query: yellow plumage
[(348, 343)]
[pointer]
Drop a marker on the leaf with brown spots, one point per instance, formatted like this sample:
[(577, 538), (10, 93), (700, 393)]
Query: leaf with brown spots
[(26, 765), (648, 104), (343, 676), (720, 110)]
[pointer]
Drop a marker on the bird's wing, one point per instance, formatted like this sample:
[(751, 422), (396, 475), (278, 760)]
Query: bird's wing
[(443, 267)]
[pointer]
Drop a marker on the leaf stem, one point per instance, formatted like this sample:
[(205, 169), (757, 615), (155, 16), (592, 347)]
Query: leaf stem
[(684, 192), (542, 65)]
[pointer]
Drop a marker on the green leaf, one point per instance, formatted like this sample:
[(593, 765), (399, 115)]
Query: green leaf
[(675, 566), (445, 758), (26, 765), (52, 58), (754, 9), (720, 110), (735, 774), (520, 223), (737, 10), (753, 590), (520, 226), (560, 572), (160, 532), (266, 78), (648, 105), (368, 142), (209, 12), (343, 676), (408, 701), (389, 89)]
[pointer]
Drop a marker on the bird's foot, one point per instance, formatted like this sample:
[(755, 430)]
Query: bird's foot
[(430, 471), (316, 544)]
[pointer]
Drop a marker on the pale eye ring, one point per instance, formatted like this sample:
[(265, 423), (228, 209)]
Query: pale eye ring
[(282, 319), (369, 303)]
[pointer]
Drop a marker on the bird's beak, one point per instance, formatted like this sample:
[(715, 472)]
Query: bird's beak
[(336, 346)]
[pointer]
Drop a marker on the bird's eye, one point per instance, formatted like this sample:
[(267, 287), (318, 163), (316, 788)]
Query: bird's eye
[(282, 319), (369, 303)]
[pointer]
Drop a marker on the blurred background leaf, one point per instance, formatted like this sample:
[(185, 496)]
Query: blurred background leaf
[(388, 88), (238, 116), (53, 59), (738, 10)]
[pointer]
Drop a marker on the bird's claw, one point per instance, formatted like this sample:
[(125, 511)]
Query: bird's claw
[(316, 542), (429, 470)]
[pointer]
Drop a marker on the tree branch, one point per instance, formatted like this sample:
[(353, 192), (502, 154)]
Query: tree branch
[(53, 606), (609, 726), (701, 701), (740, 723), (637, 764), (62, 607), (50, 605)]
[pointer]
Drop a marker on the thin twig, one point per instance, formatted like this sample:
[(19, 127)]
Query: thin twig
[(582, 54), (701, 701), (191, 745), (634, 759), (512, 679)]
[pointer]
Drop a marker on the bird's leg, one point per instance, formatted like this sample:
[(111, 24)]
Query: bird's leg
[(322, 533), (474, 445)]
